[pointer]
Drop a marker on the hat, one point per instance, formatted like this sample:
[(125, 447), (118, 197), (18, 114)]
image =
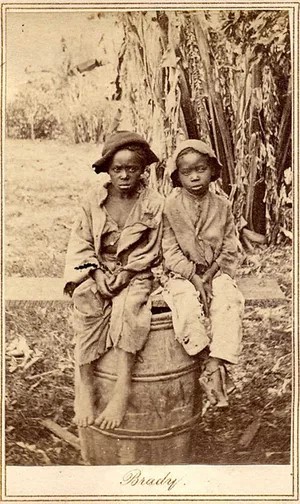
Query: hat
[(118, 141), (200, 147)]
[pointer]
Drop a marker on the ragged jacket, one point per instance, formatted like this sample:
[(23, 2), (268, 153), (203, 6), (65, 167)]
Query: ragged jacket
[(139, 246), (198, 232)]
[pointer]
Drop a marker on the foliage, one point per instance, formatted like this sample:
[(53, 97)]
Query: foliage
[(63, 103), (258, 43), (16, 122), (33, 113), (286, 202), (222, 77)]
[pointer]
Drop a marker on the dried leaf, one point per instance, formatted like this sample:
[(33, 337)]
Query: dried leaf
[(19, 347), (27, 446)]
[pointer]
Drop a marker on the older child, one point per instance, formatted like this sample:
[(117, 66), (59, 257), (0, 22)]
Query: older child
[(114, 242), (200, 254)]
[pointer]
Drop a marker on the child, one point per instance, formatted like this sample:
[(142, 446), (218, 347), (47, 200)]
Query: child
[(115, 241), (200, 254)]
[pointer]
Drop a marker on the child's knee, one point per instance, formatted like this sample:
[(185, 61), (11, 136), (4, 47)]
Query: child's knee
[(226, 292)]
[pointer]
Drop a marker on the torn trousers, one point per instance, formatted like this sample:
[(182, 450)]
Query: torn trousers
[(222, 332), (123, 322)]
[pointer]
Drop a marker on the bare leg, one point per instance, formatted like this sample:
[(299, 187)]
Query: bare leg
[(84, 395), (114, 412), (212, 384)]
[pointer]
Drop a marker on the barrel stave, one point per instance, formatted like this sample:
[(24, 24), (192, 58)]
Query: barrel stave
[(164, 400)]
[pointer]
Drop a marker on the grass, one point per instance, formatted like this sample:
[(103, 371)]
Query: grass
[(47, 330), (44, 184)]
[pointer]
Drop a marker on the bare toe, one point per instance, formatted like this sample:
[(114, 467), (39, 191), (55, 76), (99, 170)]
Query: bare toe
[(104, 424), (114, 424), (83, 420), (98, 420)]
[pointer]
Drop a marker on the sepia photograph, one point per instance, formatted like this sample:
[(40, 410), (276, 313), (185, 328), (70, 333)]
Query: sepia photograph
[(150, 251)]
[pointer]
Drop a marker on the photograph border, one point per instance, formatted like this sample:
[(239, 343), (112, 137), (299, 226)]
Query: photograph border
[(293, 8)]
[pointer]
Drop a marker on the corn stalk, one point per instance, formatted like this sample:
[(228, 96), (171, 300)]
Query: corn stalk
[(217, 78)]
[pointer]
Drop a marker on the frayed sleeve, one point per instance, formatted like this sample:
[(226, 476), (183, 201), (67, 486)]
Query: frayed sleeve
[(81, 255)]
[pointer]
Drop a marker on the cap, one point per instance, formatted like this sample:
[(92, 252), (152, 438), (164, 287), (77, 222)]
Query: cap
[(118, 141)]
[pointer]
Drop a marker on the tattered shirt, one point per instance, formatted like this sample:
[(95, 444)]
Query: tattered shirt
[(97, 242), (197, 232)]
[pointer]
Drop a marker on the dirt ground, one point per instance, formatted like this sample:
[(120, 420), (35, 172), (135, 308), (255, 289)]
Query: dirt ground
[(44, 183)]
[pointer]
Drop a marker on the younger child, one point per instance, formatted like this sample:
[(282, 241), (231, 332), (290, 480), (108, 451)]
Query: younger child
[(200, 254)]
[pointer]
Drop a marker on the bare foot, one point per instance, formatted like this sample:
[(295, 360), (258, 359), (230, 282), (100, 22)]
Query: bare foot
[(84, 410), (114, 412), (212, 382), (220, 393)]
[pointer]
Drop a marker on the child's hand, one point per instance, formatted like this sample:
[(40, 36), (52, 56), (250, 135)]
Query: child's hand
[(102, 282), (207, 284), (119, 281), (207, 279), (199, 286)]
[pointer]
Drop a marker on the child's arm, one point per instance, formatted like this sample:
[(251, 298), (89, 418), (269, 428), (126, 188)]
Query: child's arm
[(199, 285), (81, 256), (176, 261), (207, 279), (174, 258), (227, 259)]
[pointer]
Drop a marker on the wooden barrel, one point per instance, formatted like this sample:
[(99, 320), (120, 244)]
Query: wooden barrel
[(163, 408)]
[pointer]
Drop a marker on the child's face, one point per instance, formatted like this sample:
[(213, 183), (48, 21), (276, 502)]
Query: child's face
[(194, 172), (125, 171)]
